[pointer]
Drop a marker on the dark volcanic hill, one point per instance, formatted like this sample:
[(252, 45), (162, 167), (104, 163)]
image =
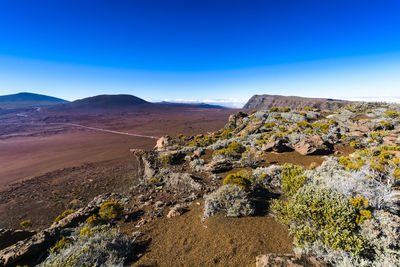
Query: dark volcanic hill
[(103, 102), (29, 97), (27, 100), (267, 101)]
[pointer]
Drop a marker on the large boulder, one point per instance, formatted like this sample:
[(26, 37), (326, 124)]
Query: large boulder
[(393, 138), (221, 165), (277, 144), (148, 163), (29, 249), (313, 145), (236, 121), (184, 182), (252, 128), (9, 237), (163, 143)]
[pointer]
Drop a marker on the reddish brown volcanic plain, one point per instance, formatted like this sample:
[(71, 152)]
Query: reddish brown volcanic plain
[(48, 162), (40, 143)]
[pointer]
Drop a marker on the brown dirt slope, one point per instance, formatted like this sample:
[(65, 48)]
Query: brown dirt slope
[(219, 241)]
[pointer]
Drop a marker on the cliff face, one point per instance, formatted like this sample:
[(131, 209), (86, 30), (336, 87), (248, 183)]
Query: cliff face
[(267, 101)]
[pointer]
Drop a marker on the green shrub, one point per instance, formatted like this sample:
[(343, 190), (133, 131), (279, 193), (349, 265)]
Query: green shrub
[(292, 178), (234, 150), (111, 210), (274, 109), (319, 215), (108, 211), (26, 224), (286, 109), (391, 114), (303, 124), (241, 179), (62, 243), (355, 144), (63, 215), (270, 125), (387, 125)]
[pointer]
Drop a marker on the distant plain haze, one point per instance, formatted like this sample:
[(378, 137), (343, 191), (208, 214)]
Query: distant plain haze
[(219, 52)]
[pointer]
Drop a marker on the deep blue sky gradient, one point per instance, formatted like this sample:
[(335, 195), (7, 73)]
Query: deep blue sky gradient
[(181, 43)]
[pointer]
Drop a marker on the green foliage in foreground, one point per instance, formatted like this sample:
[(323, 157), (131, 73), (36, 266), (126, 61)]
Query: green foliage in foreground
[(318, 215), (292, 178)]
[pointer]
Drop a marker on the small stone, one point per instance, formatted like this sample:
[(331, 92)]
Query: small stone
[(173, 213)]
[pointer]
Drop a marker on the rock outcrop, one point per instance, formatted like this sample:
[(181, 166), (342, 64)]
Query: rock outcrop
[(9, 237), (313, 145), (277, 144)]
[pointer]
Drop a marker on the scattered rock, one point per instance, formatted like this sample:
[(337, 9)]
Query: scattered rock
[(173, 213), (216, 166), (277, 144), (182, 181), (163, 143), (313, 145), (393, 138)]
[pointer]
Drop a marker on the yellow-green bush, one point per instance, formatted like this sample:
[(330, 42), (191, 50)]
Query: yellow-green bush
[(94, 220), (274, 109), (62, 243), (108, 211), (387, 125), (320, 215), (26, 224), (292, 178), (320, 127), (111, 210), (391, 114), (153, 180), (167, 158), (308, 109), (361, 204), (355, 144), (63, 215), (241, 179), (270, 125), (286, 109), (303, 124), (234, 150), (397, 173)]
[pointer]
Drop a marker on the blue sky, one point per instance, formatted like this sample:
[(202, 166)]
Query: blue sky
[(218, 51)]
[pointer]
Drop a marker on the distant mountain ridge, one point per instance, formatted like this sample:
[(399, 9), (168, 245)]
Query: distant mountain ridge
[(198, 105), (265, 101), (29, 97)]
